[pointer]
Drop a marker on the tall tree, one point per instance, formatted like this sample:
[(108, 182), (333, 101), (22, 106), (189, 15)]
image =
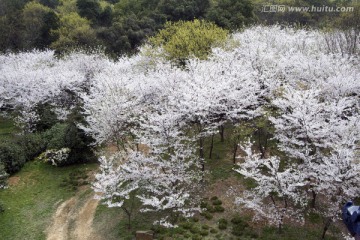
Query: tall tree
[(186, 10), (74, 32), (38, 22), (231, 14), (89, 9)]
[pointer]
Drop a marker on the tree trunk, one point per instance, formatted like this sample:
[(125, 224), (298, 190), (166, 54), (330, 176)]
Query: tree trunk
[(261, 148), (235, 151), (326, 227), (128, 214), (221, 132), (266, 143), (201, 153), (211, 146), (280, 228), (313, 200)]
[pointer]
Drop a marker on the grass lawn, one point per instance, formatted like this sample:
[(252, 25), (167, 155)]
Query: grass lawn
[(33, 197)]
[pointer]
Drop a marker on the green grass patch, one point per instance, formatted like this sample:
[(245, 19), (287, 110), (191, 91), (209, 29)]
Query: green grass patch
[(30, 203), (296, 233), (220, 165), (113, 222)]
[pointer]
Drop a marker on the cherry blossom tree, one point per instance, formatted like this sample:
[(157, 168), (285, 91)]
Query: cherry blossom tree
[(322, 137), (32, 78), (165, 176), (277, 192)]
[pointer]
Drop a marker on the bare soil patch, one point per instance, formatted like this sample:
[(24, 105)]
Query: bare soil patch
[(73, 219)]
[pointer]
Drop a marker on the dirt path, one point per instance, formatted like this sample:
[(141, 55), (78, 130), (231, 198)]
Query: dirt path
[(73, 220)]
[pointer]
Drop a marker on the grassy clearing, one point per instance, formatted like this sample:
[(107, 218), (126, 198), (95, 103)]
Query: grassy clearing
[(112, 222), (32, 198)]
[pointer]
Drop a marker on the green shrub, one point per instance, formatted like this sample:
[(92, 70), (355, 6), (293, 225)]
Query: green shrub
[(238, 230), (12, 156), (186, 225), (204, 233), (158, 229), (211, 209), (67, 135), (33, 145), (237, 220), (187, 235), (179, 230), (55, 136), (196, 237), (222, 224), (195, 219), (218, 236), (241, 227), (219, 209), (214, 198), (217, 202), (79, 143), (203, 205), (205, 227), (194, 230), (213, 231), (208, 215), (47, 117), (223, 220), (15, 152)]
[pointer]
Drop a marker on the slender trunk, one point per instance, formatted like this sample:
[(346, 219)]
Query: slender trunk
[(201, 147), (281, 216), (266, 143), (201, 153), (261, 148), (280, 227), (211, 146), (128, 214), (313, 200), (235, 151), (326, 227), (202, 162), (221, 132)]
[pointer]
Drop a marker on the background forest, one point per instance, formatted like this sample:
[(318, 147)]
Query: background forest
[(121, 26)]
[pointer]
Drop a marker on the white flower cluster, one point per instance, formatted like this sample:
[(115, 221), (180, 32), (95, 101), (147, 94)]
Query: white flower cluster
[(55, 157)]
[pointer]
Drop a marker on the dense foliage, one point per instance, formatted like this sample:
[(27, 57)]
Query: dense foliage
[(121, 27), (183, 40)]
